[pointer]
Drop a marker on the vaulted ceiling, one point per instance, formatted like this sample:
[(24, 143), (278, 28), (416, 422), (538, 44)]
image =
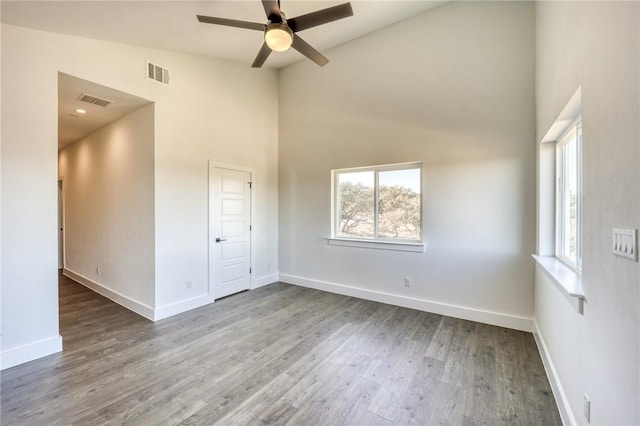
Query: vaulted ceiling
[(172, 25)]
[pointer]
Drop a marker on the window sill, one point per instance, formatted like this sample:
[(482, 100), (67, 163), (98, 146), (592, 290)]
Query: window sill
[(568, 280), (379, 245)]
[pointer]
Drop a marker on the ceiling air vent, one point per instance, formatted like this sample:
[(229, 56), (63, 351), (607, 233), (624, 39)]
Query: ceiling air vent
[(94, 100), (157, 73)]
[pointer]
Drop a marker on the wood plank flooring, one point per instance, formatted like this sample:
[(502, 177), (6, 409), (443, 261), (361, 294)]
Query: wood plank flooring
[(280, 355)]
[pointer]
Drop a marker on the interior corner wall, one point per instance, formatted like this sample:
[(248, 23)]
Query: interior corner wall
[(108, 184), (595, 45), (213, 110), (454, 89)]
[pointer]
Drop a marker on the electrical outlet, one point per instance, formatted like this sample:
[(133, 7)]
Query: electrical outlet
[(188, 284), (98, 270), (407, 281), (587, 408)]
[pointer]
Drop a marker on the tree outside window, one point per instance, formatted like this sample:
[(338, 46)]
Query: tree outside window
[(379, 203)]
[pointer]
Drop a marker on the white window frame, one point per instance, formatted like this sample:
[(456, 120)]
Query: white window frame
[(376, 241), (574, 130)]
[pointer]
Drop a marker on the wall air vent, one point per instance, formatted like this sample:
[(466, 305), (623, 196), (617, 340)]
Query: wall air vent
[(94, 100), (157, 73)]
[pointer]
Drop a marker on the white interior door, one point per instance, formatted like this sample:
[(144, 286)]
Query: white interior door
[(230, 231)]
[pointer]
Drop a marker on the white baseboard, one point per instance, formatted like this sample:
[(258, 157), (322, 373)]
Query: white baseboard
[(266, 280), (556, 385), (171, 309), (31, 351), (129, 303), (463, 312), (185, 305), (176, 308)]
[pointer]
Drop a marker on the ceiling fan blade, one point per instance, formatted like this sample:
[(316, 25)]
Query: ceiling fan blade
[(272, 9), (305, 48), (231, 23), (263, 54), (320, 17)]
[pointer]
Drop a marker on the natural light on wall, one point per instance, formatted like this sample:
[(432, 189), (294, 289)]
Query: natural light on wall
[(560, 198), (559, 250)]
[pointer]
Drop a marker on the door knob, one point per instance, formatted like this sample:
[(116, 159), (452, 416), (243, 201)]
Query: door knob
[(220, 239)]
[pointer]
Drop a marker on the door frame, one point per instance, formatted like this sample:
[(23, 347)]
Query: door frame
[(252, 211), (62, 222)]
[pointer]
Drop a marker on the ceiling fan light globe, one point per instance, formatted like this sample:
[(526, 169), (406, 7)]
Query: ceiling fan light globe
[(278, 37)]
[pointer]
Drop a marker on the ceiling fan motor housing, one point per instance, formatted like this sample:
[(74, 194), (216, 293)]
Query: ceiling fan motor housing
[(278, 36)]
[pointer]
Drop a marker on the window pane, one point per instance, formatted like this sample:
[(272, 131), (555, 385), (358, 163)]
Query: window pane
[(399, 204), (570, 200), (355, 205)]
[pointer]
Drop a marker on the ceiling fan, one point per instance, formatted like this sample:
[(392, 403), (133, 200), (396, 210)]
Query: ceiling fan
[(280, 32)]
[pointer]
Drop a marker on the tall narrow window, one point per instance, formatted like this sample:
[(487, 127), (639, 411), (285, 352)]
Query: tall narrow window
[(380, 203), (569, 196)]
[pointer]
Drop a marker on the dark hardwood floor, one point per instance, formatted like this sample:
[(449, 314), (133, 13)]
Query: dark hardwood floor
[(280, 354)]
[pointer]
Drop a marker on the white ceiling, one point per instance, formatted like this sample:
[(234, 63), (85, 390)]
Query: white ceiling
[(172, 25), (73, 126)]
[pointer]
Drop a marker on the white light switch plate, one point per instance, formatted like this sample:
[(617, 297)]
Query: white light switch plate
[(625, 243)]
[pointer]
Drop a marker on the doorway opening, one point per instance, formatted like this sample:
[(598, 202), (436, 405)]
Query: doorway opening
[(106, 193)]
